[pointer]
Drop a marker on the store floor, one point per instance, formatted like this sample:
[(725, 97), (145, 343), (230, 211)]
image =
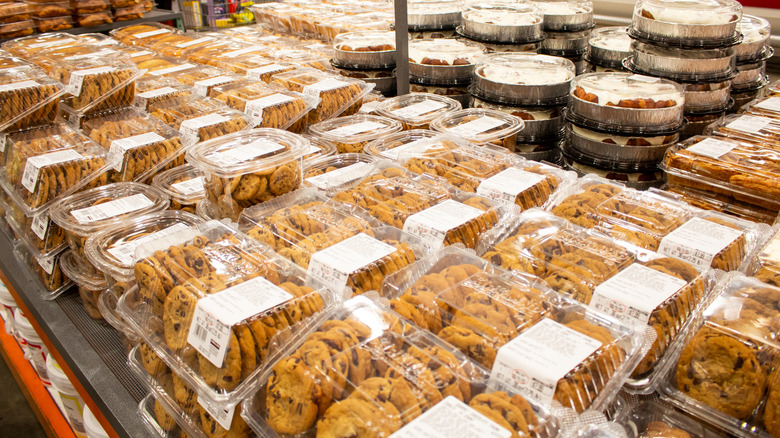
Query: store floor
[(17, 419)]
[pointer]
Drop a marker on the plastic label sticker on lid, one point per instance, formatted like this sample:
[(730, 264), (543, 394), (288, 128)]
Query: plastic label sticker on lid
[(418, 109), (245, 152), (254, 108), (506, 185), (422, 144), (125, 252), (476, 127), (324, 85), (454, 419), (40, 224), (634, 293), (173, 69), (710, 147), (46, 263), (77, 78), (356, 128), (533, 362), (432, 224), (156, 92), (215, 314), (698, 241), (202, 87), (771, 104), (191, 43), (338, 177), (113, 208), (118, 149), (369, 107), (190, 128), (33, 166), (151, 33), (18, 85), (257, 72), (244, 51), (189, 187), (223, 416), (334, 264), (749, 124)]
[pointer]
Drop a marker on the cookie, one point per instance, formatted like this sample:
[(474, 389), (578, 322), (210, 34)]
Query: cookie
[(177, 316), (228, 376), (501, 403), (292, 397)]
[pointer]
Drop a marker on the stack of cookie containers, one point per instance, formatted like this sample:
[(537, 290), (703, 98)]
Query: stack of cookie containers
[(51, 16), (607, 47), (532, 87), (369, 56), (15, 20), (693, 43), (567, 26), (751, 54), (620, 124), (503, 26), (443, 66)]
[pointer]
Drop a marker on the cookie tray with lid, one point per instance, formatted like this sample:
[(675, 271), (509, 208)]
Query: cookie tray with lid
[(481, 126), (318, 148), (255, 66), (25, 235), (620, 148), (690, 24), (392, 145), (557, 251), (202, 78), (380, 352), (199, 119), (26, 47), (219, 50), (183, 184), (153, 89), (364, 50), (502, 22), (46, 269), (417, 110), (27, 97), (276, 294), (523, 79), (449, 294), (768, 107), (350, 134), (765, 266), (652, 418), (334, 172), (735, 334), (90, 284), (709, 200)]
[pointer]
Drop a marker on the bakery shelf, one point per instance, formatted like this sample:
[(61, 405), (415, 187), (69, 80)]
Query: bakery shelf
[(90, 352)]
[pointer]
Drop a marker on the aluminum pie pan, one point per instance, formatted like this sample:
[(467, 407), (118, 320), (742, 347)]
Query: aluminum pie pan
[(678, 76), (706, 96), (696, 127), (581, 65), (649, 155), (571, 164), (762, 54), (603, 55), (568, 22), (435, 33), (625, 120), (535, 131), (553, 156), (442, 74), (568, 42), (684, 35), (520, 94), (608, 165), (749, 74), (423, 22), (363, 60), (750, 88), (503, 48), (606, 65), (494, 33), (461, 94)]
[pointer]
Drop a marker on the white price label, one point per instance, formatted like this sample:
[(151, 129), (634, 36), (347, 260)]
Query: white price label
[(698, 241), (39, 226), (215, 314), (173, 69), (334, 264), (258, 72), (190, 129), (77, 78), (338, 177), (118, 149), (125, 252), (432, 224), (190, 187), (33, 166), (418, 146), (112, 208), (533, 362), (18, 85), (254, 108), (506, 185), (223, 416), (771, 104), (418, 109), (324, 85), (369, 107), (156, 92), (150, 33), (710, 147), (245, 152), (452, 418), (634, 293), (98, 54), (48, 44), (191, 43), (46, 263), (646, 79), (239, 52), (356, 128), (476, 127), (141, 53), (202, 87), (749, 124)]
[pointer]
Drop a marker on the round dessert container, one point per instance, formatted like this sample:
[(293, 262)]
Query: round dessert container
[(417, 110), (458, 93), (608, 46), (749, 75), (619, 148), (640, 180), (706, 96), (364, 50), (566, 15), (755, 39), (541, 123), (565, 44), (696, 124), (502, 22), (497, 47), (433, 14), (443, 61), (685, 65), (687, 23)]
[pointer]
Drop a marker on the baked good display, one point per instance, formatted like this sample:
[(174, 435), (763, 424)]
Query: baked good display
[(183, 184), (481, 126), (567, 15), (444, 61), (523, 79), (416, 110), (138, 145), (269, 106), (513, 23), (351, 134), (725, 373), (338, 95), (697, 23), (256, 67), (329, 173), (200, 119), (615, 147), (248, 168), (364, 50), (29, 98), (97, 83), (608, 46), (682, 65), (755, 36)]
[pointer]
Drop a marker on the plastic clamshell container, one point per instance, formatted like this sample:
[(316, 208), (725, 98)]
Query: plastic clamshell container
[(83, 214), (202, 78), (163, 65), (442, 376), (129, 13), (17, 29), (213, 53), (523, 79), (626, 103), (89, 6), (620, 148), (416, 110), (651, 418), (142, 34), (444, 61), (481, 126), (256, 66), (765, 266), (364, 50), (138, 145), (10, 12), (184, 185), (709, 200), (200, 119), (164, 427), (740, 321), (754, 46), (47, 270), (608, 46), (269, 106), (38, 232), (90, 284), (682, 65), (728, 166), (44, 164), (566, 15), (327, 173), (523, 301), (247, 168), (112, 249), (555, 250), (391, 146), (150, 90), (685, 23), (175, 44), (318, 148), (434, 14), (351, 134), (27, 98), (502, 22), (27, 47), (51, 24), (338, 95), (289, 297), (93, 19), (97, 83)]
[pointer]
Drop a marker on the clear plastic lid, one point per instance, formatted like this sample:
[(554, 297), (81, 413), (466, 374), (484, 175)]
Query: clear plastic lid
[(17, 29), (350, 134), (46, 58), (142, 34), (364, 50), (502, 22), (417, 110), (150, 90), (10, 11), (337, 171), (444, 52), (215, 267), (270, 106), (653, 419), (38, 232), (523, 78), (712, 65), (318, 148), (481, 126), (86, 212), (433, 14), (27, 98), (392, 145), (176, 44), (609, 45), (162, 65), (764, 107), (256, 66), (203, 78), (709, 200), (566, 15), (183, 184), (138, 145), (200, 119), (97, 82), (28, 46), (766, 264), (754, 46), (753, 128), (48, 271), (217, 51)]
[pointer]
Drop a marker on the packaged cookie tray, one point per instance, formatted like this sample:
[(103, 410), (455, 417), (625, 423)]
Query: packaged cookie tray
[(752, 128), (481, 126), (10, 12), (142, 34), (27, 47), (163, 65), (255, 66), (734, 340), (200, 119), (765, 266), (112, 249), (485, 312), (653, 419), (97, 83), (175, 44), (17, 29), (742, 168), (52, 9), (486, 170), (90, 284), (392, 145), (27, 98), (184, 185), (203, 78), (708, 200), (50, 24), (28, 229), (106, 304), (213, 258), (318, 148), (138, 146), (83, 214), (417, 110), (599, 272), (350, 134), (150, 90), (336, 172), (213, 53), (338, 95), (157, 420), (46, 270), (764, 107), (269, 106), (378, 374)]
